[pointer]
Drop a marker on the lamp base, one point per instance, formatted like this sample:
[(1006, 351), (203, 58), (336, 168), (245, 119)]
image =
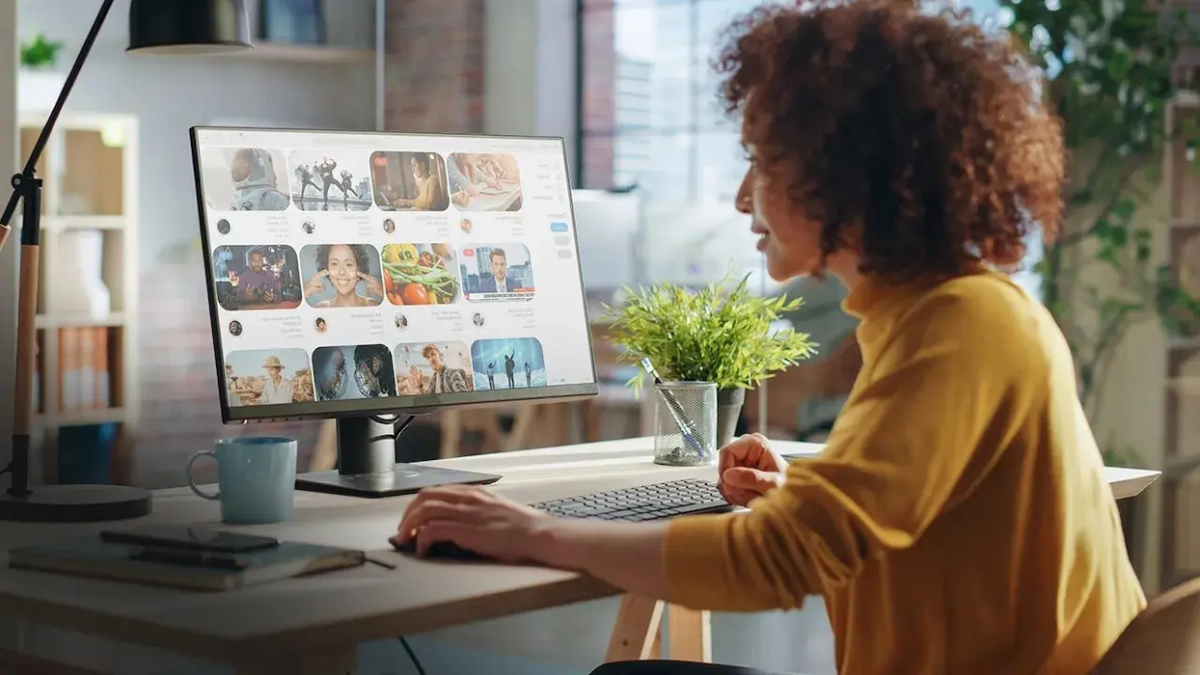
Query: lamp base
[(75, 504)]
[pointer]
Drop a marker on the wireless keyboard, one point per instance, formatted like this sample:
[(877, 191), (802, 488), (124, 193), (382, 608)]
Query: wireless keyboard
[(645, 502)]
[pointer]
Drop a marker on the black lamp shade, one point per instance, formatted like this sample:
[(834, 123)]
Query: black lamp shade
[(188, 26)]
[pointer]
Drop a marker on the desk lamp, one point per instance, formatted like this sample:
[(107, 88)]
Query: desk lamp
[(190, 27)]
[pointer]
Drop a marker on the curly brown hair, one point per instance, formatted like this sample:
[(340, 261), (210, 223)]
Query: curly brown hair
[(918, 139)]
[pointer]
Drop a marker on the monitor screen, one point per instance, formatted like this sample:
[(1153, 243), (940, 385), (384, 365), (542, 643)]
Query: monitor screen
[(368, 273)]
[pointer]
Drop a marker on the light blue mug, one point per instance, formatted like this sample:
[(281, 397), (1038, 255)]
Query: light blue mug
[(256, 478)]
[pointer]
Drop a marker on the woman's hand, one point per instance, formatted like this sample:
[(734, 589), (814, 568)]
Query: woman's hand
[(374, 287), (476, 519), (748, 469), (316, 285)]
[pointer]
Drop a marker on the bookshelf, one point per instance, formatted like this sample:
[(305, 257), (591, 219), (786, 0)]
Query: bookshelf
[(87, 397)]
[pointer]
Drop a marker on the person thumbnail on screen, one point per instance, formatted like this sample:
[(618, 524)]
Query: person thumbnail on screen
[(318, 175), (484, 181), (244, 179), (409, 181), (508, 363), (420, 274), (353, 372), (341, 275), (268, 377), (496, 272), (433, 368), (256, 277)]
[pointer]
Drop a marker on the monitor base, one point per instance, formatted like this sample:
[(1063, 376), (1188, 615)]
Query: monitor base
[(403, 479), (366, 464), (75, 504)]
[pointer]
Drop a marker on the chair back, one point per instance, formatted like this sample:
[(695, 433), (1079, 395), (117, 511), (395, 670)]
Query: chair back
[(1163, 640)]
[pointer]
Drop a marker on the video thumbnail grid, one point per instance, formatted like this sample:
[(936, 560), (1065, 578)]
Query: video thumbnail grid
[(290, 375), (252, 278), (332, 179)]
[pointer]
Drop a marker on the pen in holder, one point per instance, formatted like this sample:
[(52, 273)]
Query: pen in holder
[(685, 423)]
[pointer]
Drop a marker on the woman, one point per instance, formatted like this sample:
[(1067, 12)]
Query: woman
[(959, 520), (344, 266)]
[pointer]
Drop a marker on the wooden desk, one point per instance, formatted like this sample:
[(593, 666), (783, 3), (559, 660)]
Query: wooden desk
[(314, 624)]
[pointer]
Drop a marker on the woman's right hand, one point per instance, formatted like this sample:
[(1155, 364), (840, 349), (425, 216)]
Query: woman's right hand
[(748, 469), (316, 285)]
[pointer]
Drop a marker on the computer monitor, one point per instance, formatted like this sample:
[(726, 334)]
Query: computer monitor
[(360, 276)]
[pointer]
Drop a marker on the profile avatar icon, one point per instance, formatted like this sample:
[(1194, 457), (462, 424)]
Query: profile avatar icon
[(389, 225), (223, 226), (235, 328), (308, 226), (401, 321), (477, 319), (321, 325)]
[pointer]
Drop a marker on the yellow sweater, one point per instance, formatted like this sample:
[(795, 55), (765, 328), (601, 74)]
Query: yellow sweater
[(958, 521)]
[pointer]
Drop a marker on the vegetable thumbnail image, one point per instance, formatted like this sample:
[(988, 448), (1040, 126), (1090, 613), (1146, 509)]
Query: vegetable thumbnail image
[(420, 274)]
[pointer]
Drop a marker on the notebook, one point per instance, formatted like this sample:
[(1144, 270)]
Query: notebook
[(91, 557)]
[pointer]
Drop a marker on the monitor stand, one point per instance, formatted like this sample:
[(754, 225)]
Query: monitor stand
[(366, 450)]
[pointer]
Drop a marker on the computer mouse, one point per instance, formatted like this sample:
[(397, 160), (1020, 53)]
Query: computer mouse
[(444, 550)]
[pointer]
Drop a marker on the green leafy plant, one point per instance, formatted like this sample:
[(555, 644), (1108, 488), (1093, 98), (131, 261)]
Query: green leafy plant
[(39, 52), (1109, 77), (718, 333)]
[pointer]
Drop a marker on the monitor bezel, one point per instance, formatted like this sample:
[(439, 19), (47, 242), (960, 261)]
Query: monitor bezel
[(397, 405)]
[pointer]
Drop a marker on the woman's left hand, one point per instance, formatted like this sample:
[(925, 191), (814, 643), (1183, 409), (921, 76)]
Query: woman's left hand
[(476, 519)]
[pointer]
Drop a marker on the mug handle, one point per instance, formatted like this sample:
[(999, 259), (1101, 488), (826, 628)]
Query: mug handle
[(192, 481)]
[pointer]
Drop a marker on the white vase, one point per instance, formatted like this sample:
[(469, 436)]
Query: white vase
[(83, 292), (37, 90)]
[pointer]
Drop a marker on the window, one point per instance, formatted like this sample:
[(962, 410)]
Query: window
[(650, 114)]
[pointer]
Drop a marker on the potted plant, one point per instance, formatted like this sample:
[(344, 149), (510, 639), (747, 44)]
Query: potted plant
[(39, 83), (720, 333)]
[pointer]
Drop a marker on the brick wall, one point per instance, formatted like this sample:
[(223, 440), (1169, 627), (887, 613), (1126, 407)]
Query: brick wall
[(434, 74), (181, 411), (598, 89)]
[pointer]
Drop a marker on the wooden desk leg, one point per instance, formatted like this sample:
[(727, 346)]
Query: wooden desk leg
[(636, 631), (337, 662), (690, 634), (452, 433)]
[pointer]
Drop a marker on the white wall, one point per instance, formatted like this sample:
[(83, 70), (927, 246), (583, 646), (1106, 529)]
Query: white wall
[(171, 94)]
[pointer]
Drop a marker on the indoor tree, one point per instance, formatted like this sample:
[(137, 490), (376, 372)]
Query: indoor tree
[(1109, 75)]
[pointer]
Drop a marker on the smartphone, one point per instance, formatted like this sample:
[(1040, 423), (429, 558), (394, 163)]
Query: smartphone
[(191, 538)]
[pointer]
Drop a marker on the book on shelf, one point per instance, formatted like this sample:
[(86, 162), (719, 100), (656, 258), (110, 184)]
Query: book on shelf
[(90, 556), (84, 375)]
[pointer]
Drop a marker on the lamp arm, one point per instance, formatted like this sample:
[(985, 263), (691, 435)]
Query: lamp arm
[(20, 180), (27, 187)]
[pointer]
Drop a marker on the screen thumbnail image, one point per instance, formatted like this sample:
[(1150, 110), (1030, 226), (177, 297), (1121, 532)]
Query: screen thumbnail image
[(353, 372), (329, 180), (484, 181), (244, 179), (409, 181), (508, 363), (496, 271), (420, 274), (341, 275), (433, 368), (256, 277), (268, 377)]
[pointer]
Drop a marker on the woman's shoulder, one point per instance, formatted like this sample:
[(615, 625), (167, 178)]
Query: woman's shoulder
[(988, 296), (988, 313)]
